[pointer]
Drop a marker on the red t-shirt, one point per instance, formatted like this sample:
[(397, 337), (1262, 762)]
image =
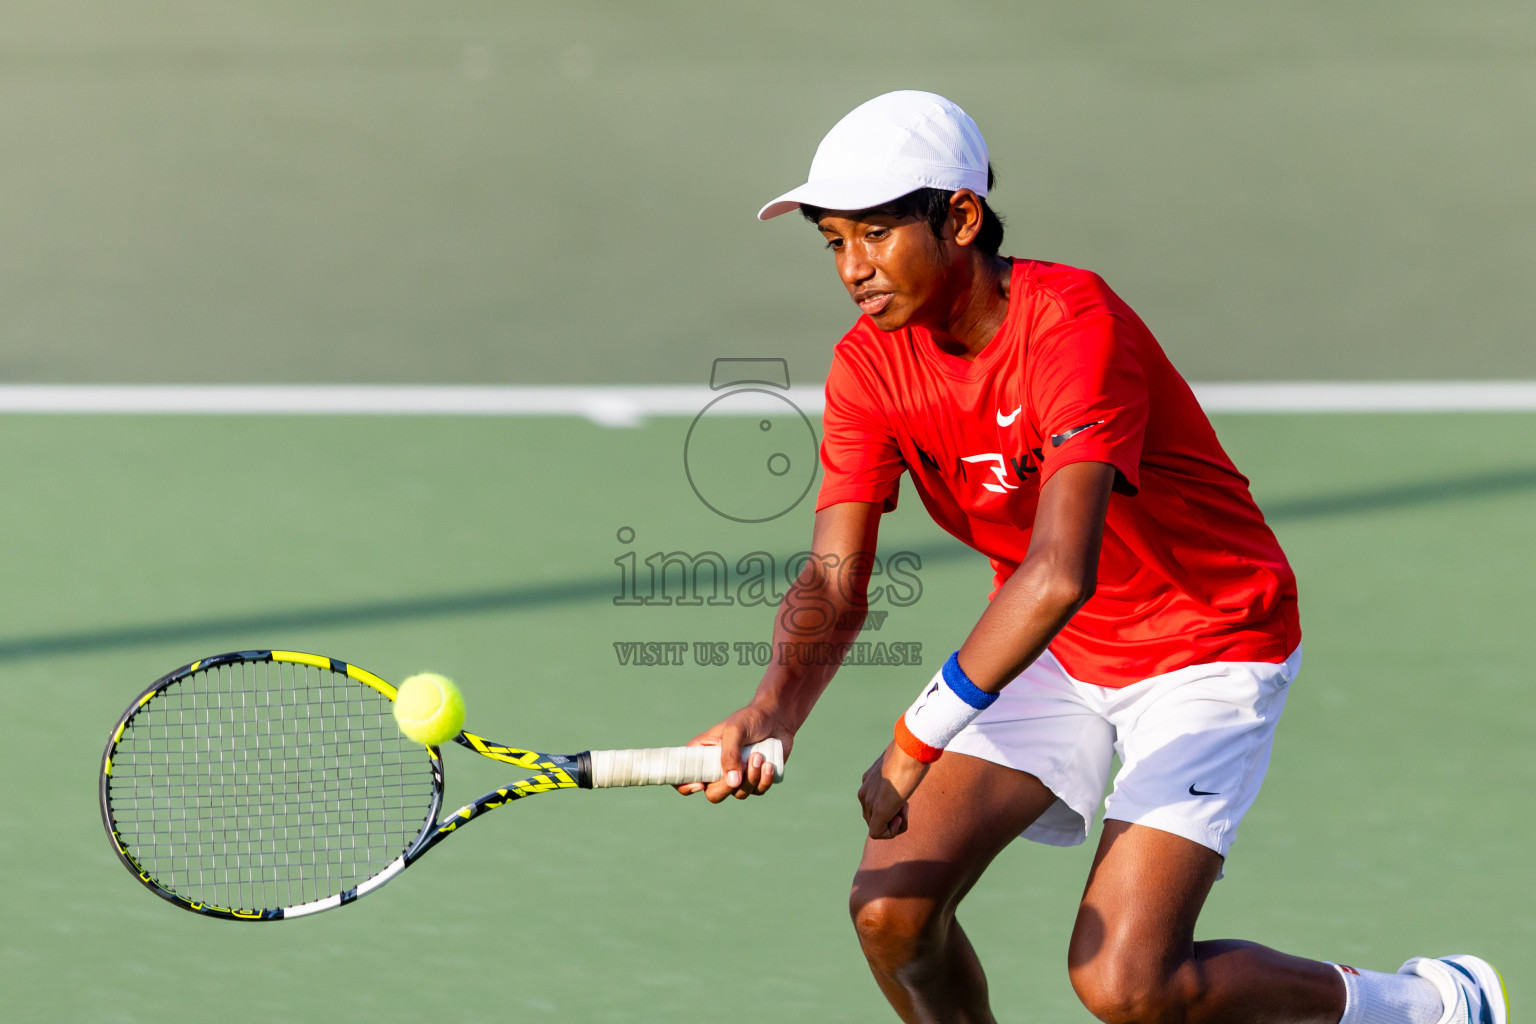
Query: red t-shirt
[(1189, 572)]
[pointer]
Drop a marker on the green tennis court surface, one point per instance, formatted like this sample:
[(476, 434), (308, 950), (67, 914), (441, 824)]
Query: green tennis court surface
[(1393, 824)]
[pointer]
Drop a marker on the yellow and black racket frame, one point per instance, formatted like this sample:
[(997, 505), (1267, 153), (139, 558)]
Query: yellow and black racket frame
[(554, 772)]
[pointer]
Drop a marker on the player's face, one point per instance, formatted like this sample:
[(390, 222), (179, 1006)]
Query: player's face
[(896, 271)]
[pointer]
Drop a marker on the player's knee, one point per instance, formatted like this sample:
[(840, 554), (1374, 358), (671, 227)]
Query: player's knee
[(1120, 990), (893, 930)]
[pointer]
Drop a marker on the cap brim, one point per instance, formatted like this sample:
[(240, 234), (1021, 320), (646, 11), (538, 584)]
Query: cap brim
[(838, 194)]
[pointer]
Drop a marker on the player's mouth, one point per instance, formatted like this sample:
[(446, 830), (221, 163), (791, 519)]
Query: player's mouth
[(874, 303)]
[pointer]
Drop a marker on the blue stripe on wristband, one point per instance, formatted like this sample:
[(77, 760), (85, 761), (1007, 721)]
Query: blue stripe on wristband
[(955, 679)]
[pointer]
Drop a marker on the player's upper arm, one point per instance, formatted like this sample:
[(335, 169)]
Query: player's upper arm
[(1069, 526), (860, 457), (1089, 391)]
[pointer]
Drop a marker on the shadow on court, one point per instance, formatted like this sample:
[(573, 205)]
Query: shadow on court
[(1409, 495), (572, 592)]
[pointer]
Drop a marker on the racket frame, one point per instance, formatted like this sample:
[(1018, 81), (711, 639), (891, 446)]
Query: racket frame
[(359, 675), (552, 772)]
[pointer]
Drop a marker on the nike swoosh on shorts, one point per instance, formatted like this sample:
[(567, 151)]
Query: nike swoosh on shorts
[(1057, 440)]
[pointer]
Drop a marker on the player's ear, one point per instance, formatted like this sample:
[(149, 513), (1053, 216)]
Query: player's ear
[(965, 216)]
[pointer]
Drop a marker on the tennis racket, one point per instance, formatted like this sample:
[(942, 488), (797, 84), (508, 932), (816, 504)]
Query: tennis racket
[(265, 785)]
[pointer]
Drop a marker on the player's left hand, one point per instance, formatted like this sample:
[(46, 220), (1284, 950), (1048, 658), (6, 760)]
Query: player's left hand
[(887, 786)]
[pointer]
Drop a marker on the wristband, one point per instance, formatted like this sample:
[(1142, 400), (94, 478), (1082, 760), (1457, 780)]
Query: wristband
[(948, 704)]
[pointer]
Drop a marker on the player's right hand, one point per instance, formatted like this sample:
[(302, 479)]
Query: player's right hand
[(752, 724), (887, 787)]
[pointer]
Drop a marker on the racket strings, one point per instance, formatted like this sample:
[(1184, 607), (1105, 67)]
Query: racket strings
[(257, 785)]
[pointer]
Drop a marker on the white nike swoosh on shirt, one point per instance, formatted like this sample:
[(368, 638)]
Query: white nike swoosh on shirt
[(1007, 421)]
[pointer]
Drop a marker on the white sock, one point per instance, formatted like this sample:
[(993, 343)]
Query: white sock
[(1376, 998)]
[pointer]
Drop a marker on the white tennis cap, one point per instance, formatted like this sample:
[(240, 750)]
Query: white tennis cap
[(892, 145)]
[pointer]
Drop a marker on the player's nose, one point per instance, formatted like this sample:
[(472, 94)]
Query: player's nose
[(854, 266)]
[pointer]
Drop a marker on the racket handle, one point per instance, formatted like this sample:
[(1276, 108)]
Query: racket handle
[(674, 766)]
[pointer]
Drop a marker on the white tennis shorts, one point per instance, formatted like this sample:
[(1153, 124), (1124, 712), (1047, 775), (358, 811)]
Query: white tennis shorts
[(1193, 745)]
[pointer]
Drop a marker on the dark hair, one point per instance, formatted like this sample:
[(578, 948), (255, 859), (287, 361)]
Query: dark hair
[(932, 204)]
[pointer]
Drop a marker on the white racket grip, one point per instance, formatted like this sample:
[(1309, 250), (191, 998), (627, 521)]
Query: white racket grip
[(674, 766)]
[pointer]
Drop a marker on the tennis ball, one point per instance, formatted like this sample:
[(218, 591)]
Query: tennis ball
[(429, 709)]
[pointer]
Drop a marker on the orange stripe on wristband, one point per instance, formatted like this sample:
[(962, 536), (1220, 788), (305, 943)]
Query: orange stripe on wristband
[(914, 747)]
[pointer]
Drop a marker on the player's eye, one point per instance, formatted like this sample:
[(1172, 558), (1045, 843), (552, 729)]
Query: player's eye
[(834, 243)]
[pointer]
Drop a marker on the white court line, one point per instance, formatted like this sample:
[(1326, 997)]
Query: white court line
[(1369, 396), (610, 406), (626, 406)]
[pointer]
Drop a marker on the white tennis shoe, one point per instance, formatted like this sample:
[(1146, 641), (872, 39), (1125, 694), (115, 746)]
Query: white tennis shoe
[(1470, 987)]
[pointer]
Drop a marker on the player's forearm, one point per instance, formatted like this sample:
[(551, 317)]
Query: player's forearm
[(825, 609), (1019, 624)]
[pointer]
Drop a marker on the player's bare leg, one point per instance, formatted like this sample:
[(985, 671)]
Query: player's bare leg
[(1133, 956), (907, 888)]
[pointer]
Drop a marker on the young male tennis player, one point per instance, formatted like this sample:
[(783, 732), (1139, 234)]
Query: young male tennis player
[(1142, 608)]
